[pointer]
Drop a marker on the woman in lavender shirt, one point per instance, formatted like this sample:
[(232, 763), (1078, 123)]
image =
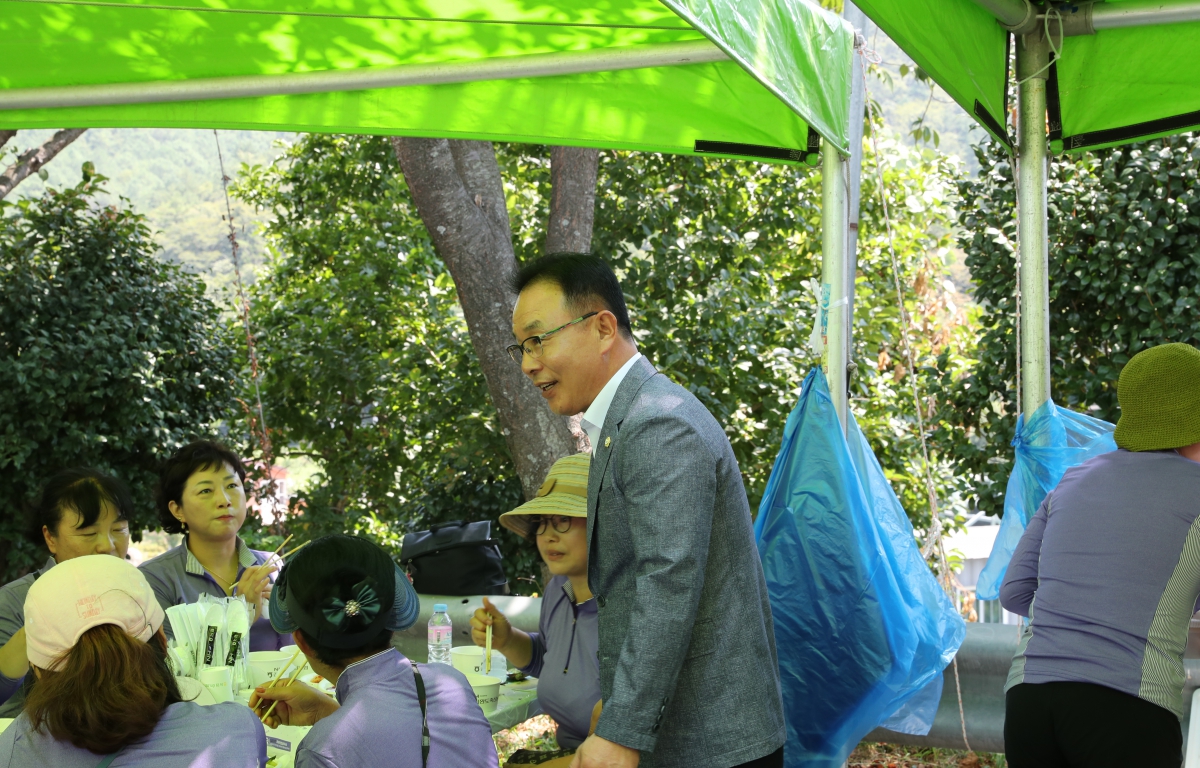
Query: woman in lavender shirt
[(202, 494), (105, 696), (342, 597), (562, 653)]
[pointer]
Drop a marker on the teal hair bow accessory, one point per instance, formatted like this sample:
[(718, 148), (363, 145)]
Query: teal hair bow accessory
[(364, 603)]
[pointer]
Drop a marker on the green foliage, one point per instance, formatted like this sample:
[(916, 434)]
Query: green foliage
[(1124, 258), (368, 366), (108, 357), (172, 176)]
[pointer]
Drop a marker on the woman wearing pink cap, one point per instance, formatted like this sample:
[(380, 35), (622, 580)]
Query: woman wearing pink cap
[(105, 697)]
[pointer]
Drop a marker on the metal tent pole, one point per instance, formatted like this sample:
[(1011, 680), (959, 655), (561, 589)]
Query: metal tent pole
[(833, 272), (499, 68), (858, 20), (1033, 53)]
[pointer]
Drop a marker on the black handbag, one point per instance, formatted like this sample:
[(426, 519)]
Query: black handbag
[(455, 559)]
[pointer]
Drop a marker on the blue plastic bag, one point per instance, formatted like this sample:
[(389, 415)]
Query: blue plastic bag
[(863, 629), (1051, 442)]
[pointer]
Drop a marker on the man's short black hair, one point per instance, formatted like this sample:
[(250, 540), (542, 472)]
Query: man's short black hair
[(584, 280), (187, 461)]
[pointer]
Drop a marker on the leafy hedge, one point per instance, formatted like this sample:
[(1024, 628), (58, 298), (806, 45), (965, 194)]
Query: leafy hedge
[(1124, 268), (108, 357)]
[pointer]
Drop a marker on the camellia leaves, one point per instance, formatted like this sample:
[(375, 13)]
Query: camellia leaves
[(109, 358)]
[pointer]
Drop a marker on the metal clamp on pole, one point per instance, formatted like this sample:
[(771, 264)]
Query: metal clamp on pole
[(1017, 16)]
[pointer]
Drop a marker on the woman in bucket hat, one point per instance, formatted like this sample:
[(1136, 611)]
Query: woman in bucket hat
[(1108, 572), (562, 653)]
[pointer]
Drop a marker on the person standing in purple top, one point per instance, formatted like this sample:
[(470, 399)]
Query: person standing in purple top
[(202, 494), (105, 697), (562, 653), (1108, 572), (342, 597)]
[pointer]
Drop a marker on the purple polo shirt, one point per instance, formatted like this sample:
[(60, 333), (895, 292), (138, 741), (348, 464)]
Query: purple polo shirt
[(12, 618), (177, 577), (187, 736), (379, 722), (565, 661)]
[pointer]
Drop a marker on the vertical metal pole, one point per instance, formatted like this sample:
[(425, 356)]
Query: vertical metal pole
[(1033, 53), (858, 20), (833, 272)]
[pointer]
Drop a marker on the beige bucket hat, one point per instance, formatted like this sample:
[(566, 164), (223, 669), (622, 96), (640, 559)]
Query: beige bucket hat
[(563, 493)]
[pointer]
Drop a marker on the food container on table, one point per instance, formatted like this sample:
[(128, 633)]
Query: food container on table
[(487, 691), (468, 659), (267, 665)]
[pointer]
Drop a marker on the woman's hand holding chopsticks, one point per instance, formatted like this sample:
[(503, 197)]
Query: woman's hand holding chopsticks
[(294, 704), (254, 584)]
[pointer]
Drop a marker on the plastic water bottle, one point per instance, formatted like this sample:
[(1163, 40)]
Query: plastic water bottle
[(441, 635)]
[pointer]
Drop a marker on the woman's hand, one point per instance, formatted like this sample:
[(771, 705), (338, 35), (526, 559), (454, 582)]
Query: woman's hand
[(13, 661), (501, 629), (516, 645), (296, 704), (255, 584)]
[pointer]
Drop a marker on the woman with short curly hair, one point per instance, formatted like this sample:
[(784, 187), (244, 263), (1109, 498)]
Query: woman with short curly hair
[(202, 494)]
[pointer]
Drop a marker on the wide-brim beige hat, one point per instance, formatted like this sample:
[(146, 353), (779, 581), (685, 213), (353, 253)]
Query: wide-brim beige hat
[(563, 493)]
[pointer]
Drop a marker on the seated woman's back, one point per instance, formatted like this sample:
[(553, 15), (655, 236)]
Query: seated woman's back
[(379, 722), (187, 736), (104, 694)]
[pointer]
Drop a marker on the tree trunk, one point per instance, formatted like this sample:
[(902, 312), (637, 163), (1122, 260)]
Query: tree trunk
[(573, 199), (458, 192), (33, 160), (5, 136)]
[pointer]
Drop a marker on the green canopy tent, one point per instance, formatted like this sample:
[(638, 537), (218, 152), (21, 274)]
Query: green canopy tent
[(746, 79), (1090, 75), (757, 79)]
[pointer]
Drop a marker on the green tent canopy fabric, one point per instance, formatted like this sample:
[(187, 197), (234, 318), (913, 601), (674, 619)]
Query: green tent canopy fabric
[(740, 78), (1115, 86)]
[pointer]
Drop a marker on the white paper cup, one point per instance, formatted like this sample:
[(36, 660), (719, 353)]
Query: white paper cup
[(219, 682), (468, 659), (266, 666), (487, 691)]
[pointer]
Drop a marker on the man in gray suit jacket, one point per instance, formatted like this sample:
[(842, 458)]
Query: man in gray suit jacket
[(688, 669)]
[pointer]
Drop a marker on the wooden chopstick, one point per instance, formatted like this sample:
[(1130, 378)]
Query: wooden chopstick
[(281, 546), (291, 680), (487, 652), (291, 552), (283, 669)]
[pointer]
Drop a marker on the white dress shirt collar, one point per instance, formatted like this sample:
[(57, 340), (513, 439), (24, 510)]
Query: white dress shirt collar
[(593, 417)]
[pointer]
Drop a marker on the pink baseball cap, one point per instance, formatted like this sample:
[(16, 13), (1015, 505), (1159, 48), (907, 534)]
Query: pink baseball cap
[(81, 593)]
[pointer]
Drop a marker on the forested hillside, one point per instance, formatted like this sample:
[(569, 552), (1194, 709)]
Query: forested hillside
[(174, 178)]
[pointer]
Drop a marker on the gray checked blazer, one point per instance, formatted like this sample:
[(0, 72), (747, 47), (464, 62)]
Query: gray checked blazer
[(688, 669)]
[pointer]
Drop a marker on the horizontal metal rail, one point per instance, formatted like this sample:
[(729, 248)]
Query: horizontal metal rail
[(500, 68), (983, 663), (1020, 17), (1089, 18)]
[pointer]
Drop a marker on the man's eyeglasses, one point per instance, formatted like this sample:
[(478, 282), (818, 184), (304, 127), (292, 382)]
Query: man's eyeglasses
[(533, 345), (561, 523)]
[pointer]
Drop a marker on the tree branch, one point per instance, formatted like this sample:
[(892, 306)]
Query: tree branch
[(5, 136), (33, 160), (458, 191), (572, 199)]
